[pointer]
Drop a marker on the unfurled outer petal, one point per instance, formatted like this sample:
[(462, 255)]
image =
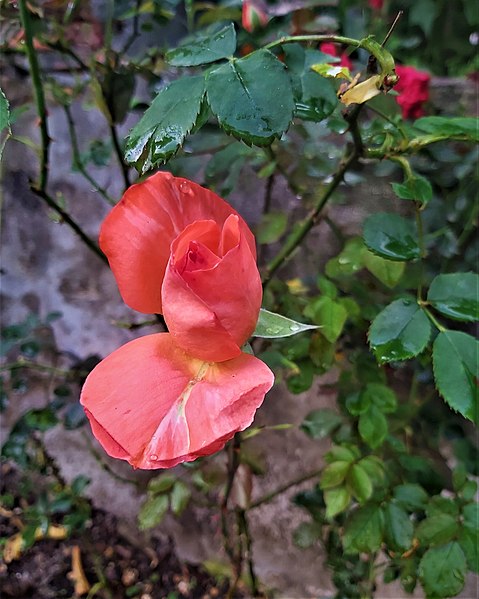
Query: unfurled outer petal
[(153, 405), (137, 234), (211, 306)]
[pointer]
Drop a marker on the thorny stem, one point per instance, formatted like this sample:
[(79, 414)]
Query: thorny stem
[(244, 529), (297, 236), (71, 223), (38, 94), (106, 467), (422, 249), (77, 161), (292, 483), (119, 153), (233, 463)]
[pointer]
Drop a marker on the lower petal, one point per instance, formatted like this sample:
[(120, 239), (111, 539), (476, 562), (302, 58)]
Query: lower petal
[(155, 406)]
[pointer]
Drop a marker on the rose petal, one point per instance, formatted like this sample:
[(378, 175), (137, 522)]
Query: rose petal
[(155, 406), (137, 234), (211, 312)]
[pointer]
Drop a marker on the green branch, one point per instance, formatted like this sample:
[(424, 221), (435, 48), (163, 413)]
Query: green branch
[(383, 57), (71, 223), (39, 93), (77, 161), (297, 236)]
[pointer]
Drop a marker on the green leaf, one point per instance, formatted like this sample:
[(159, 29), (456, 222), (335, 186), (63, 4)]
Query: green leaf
[(415, 188), (401, 331), (349, 261), (357, 403), (398, 528), (161, 484), (391, 236), (152, 511), (203, 49), (321, 423), (373, 427), (271, 326), (163, 128), (462, 127), (455, 356), (437, 529), (359, 483), (341, 453), (240, 94), (315, 96), (332, 71), (40, 420), (337, 500), (272, 227), (306, 534), (5, 130), (374, 467), (381, 396), (386, 271), (411, 496), (363, 530), (180, 496), (224, 168), (469, 541), (329, 314), (327, 287), (334, 474), (442, 570), (456, 295)]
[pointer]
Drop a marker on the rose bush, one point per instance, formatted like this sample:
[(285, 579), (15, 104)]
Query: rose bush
[(178, 249)]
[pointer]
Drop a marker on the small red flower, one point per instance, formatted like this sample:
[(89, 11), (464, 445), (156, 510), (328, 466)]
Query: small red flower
[(413, 89), (178, 249), (254, 15), (376, 4), (333, 50)]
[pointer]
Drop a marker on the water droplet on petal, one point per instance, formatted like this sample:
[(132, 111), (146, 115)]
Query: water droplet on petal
[(153, 457), (185, 188)]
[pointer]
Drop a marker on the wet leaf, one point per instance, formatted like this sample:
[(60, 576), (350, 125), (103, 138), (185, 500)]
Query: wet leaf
[(456, 371), (272, 227), (164, 126), (359, 483), (391, 236), (334, 474), (240, 95), (401, 331), (456, 295), (271, 325), (387, 271), (203, 49), (415, 188)]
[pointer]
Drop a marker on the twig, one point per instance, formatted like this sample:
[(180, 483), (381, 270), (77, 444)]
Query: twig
[(297, 236), (244, 529), (77, 161), (391, 29), (38, 93), (119, 153), (104, 466), (135, 31), (233, 463), (292, 483), (70, 222)]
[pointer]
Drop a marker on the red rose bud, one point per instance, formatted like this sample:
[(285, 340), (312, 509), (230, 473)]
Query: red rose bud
[(254, 15), (413, 90)]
